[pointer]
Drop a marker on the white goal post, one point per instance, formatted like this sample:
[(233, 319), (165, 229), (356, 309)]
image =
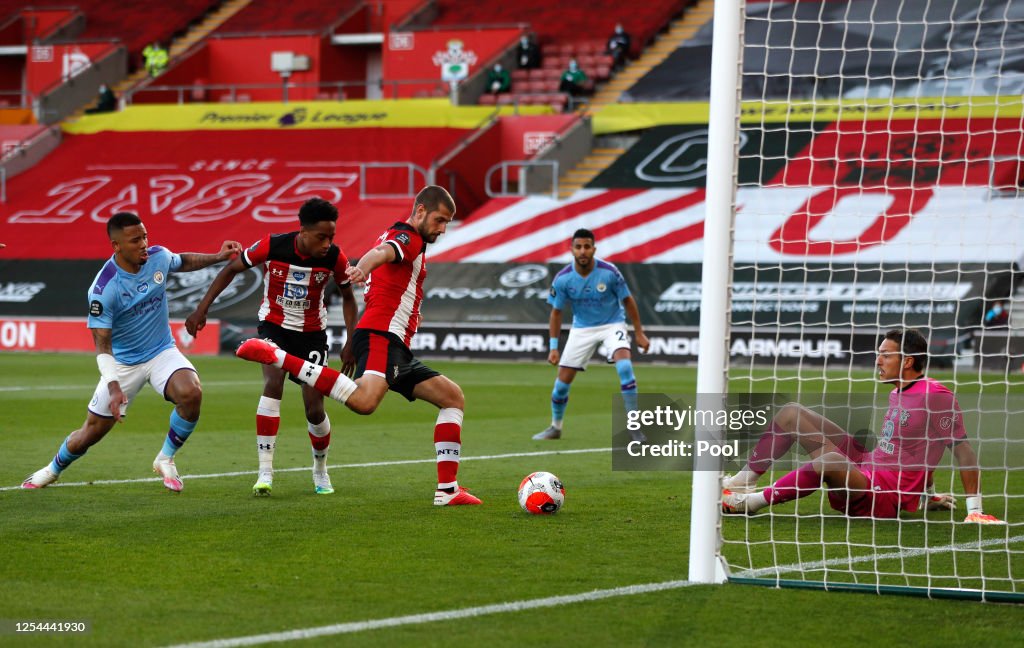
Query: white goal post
[(864, 173)]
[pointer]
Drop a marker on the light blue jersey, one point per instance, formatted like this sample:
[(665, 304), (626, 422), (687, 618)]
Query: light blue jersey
[(134, 306), (596, 299)]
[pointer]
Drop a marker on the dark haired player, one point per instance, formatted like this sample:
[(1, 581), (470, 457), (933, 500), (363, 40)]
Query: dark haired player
[(131, 329), (923, 419), (597, 293), (296, 269), (394, 294)]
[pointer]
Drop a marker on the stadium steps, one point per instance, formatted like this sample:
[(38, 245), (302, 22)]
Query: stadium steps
[(577, 177), (679, 31), (179, 46)]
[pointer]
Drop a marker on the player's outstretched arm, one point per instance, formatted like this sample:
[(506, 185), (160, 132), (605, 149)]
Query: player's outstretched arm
[(192, 261), (197, 320), (375, 258), (970, 477), (638, 329)]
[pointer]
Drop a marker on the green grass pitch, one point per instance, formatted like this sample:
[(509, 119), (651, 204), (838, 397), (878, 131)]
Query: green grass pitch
[(149, 568)]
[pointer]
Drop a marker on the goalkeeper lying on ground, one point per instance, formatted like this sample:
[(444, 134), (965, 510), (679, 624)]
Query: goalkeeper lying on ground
[(923, 419)]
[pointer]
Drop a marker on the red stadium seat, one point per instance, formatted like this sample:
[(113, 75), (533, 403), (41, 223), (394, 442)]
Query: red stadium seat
[(537, 86), (488, 100)]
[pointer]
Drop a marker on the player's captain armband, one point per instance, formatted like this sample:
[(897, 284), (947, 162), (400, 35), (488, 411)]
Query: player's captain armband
[(553, 344), (108, 367)]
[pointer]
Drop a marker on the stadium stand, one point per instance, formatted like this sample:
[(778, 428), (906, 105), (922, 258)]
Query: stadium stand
[(566, 25), (302, 15), (564, 33), (138, 23)]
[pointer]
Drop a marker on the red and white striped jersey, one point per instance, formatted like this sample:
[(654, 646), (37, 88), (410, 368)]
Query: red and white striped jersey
[(394, 291), (293, 284)]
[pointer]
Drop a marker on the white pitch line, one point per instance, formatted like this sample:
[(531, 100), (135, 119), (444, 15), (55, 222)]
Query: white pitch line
[(430, 617), (372, 464), (551, 601)]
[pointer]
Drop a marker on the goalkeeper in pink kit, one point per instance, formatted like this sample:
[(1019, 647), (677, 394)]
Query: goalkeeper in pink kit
[(922, 420)]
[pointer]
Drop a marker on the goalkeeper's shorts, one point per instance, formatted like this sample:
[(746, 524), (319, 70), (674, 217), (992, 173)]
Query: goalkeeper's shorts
[(882, 501)]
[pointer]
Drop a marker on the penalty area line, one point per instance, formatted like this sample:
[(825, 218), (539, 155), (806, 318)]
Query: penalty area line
[(443, 615), (555, 601), (372, 464)]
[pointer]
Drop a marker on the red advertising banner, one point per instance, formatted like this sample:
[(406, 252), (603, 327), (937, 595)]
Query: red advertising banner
[(442, 55), (72, 334), (909, 153), (194, 192)]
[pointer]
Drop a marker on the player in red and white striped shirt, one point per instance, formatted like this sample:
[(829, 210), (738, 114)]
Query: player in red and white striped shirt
[(382, 338), (297, 267)]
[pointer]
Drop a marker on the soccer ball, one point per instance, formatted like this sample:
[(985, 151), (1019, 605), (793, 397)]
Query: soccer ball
[(541, 493)]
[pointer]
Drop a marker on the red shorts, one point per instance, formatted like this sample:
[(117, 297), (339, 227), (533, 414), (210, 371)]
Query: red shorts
[(882, 501)]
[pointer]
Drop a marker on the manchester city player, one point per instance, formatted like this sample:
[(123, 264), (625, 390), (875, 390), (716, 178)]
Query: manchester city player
[(130, 326), (600, 300)]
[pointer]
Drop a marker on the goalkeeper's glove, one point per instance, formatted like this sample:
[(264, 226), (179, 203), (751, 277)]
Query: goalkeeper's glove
[(942, 502), (937, 502), (974, 514)]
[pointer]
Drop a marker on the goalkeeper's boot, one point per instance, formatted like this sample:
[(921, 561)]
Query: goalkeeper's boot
[(736, 486), (460, 497), (734, 503), (264, 483), (548, 434), (40, 478), (983, 518), (257, 350), (165, 467), (322, 483)]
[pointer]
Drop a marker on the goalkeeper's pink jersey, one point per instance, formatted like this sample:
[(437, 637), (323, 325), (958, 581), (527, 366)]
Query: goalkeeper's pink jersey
[(923, 420)]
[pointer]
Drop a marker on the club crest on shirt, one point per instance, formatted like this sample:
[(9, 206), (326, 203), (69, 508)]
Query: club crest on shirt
[(319, 277), (904, 416), (601, 287), (158, 277)]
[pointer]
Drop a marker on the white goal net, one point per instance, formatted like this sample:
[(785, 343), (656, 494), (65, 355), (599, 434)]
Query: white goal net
[(877, 187)]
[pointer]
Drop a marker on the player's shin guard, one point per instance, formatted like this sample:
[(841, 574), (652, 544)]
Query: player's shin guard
[(268, 420), (64, 457), (448, 445), (179, 432), (320, 439), (627, 382), (559, 401)]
